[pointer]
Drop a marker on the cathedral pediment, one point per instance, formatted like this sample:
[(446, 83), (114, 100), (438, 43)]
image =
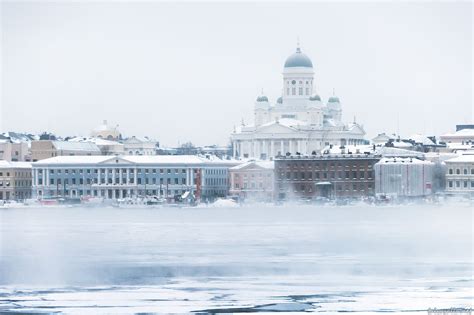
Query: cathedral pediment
[(276, 128)]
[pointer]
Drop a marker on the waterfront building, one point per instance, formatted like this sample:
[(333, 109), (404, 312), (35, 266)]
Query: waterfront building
[(404, 177), (44, 149), (131, 176), (139, 146), (329, 176), (460, 174), (299, 121), (15, 180), (253, 180), (104, 131), (464, 134)]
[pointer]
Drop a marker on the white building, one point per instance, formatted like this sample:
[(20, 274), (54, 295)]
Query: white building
[(298, 122), (131, 176), (139, 146), (460, 174), (404, 177)]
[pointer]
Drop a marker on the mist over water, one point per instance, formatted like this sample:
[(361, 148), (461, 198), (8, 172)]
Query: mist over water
[(207, 258)]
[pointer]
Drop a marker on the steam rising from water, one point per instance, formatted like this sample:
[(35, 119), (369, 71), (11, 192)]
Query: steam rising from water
[(327, 246)]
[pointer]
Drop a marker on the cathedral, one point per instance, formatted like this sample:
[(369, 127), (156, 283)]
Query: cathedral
[(299, 121)]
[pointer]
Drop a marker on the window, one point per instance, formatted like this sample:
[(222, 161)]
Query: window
[(458, 171), (458, 184), (465, 184), (300, 91), (293, 91), (465, 171)]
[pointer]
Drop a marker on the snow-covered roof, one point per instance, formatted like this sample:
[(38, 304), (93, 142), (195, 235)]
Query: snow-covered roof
[(396, 152), (97, 141), (399, 160), (76, 146), (136, 159), (348, 149), (402, 144), (461, 133), (424, 140), (263, 164), (8, 164), (465, 158)]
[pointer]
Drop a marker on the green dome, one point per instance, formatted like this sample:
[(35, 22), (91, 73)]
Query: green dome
[(334, 99), (315, 97), (298, 59), (262, 98)]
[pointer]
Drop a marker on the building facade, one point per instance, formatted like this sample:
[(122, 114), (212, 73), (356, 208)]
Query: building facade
[(14, 151), (253, 180), (44, 149), (404, 177), (15, 180), (460, 174), (329, 176), (130, 176), (139, 146), (299, 121)]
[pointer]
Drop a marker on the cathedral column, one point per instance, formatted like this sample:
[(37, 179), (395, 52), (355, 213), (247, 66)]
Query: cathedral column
[(272, 148), (282, 148), (290, 147), (299, 146), (234, 148)]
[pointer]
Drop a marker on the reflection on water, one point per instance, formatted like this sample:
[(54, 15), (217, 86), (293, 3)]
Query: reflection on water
[(250, 259)]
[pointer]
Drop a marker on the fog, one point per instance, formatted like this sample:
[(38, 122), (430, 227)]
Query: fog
[(370, 258)]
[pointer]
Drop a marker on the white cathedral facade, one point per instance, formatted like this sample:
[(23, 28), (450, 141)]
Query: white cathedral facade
[(299, 122)]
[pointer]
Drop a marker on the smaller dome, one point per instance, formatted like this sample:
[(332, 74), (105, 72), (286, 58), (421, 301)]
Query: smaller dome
[(333, 99), (315, 97), (280, 100), (262, 98)]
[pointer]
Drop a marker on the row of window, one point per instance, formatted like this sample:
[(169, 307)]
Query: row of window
[(300, 91), (459, 184), (111, 181), (216, 181), (330, 165), (131, 171), (354, 187), (465, 171), (250, 185), (326, 175)]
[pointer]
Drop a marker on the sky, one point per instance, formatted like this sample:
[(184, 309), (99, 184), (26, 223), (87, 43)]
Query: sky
[(191, 71)]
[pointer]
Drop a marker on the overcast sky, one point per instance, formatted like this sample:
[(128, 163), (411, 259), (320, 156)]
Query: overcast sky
[(191, 71)]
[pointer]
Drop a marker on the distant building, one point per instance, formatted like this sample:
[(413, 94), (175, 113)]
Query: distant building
[(14, 151), (107, 132), (44, 149), (131, 176), (15, 180), (253, 180), (460, 174), (299, 121), (106, 147), (330, 176), (404, 177), (139, 146), (463, 136)]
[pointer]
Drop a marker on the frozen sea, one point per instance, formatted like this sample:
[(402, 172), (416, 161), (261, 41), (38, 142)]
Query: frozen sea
[(252, 259)]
